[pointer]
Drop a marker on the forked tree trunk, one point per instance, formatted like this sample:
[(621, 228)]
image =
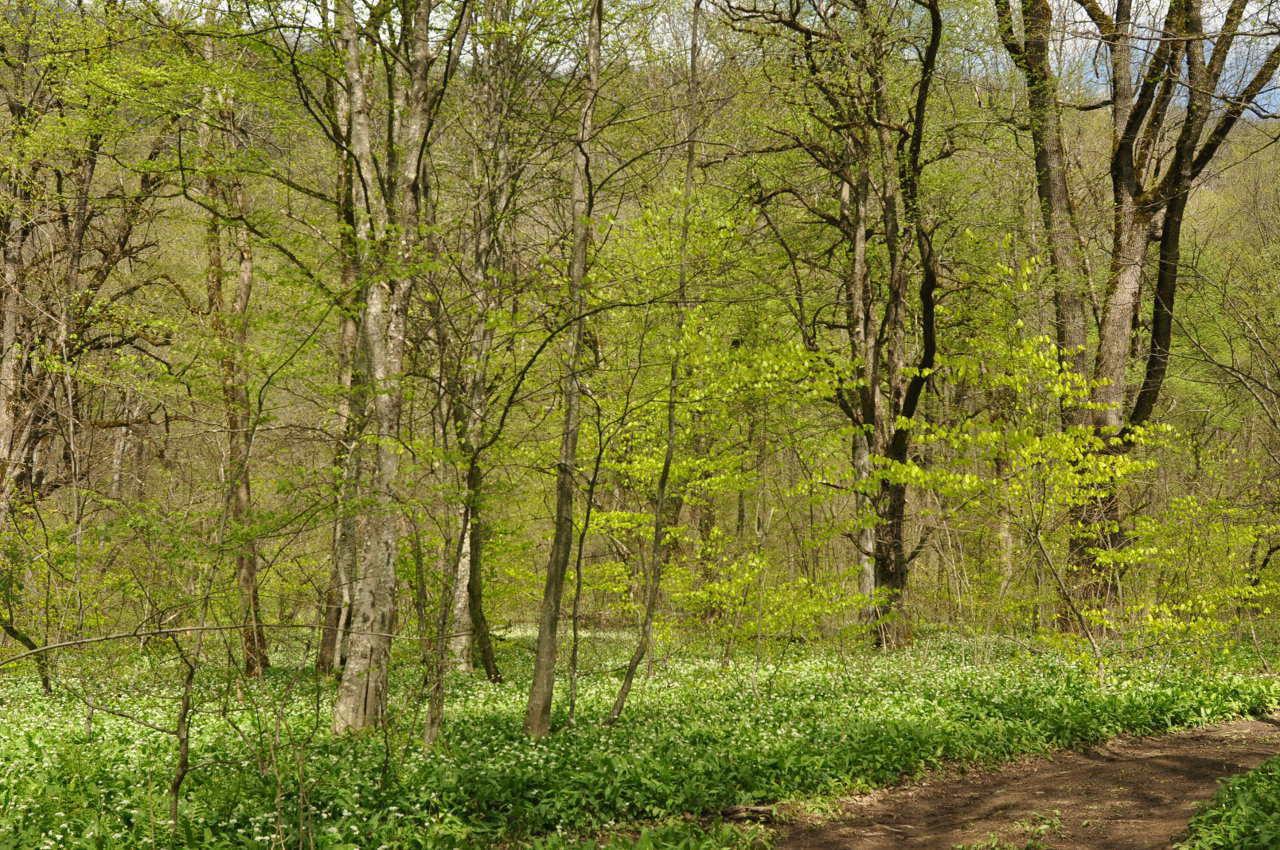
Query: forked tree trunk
[(391, 234), (1174, 71)]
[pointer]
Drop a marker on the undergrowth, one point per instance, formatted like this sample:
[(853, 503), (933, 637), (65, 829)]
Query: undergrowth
[(1244, 815), (697, 737)]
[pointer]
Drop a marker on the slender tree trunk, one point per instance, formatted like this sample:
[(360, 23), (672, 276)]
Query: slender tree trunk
[(470, 639), (231, 329), (538, 712), (132, 407), (575, 616), (853, 204), (1004, 531), (438, 659), (666, 508), (666, 514), (13, 449), (241, 428), (537, 720), (865, 535), (345, 550)]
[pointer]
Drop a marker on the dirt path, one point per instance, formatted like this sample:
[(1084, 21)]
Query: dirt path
[(1128, 794)]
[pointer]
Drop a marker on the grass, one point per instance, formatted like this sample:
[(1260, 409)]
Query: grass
[(697, 738)]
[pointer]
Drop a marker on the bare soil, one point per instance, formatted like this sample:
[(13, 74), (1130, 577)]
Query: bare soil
[(1128, 794)]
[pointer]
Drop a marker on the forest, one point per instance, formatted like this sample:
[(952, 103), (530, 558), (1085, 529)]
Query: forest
[(630, 423)]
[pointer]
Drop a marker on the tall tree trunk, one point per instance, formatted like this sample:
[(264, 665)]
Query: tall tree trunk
[(1031, 53), (392, 218), (537, 721), (362, 694), (497, 68), (906, 387), (666, 507), (231, 328), (13, 351), (860, 408), (240, 433), (345, 549)]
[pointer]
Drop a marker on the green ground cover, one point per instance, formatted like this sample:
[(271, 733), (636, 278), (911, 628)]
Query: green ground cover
[(1245, 814), (697, 737)]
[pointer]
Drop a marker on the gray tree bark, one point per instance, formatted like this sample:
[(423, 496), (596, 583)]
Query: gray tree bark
[(391, 233)]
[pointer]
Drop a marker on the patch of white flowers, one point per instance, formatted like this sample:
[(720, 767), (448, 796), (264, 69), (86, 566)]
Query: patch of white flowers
[(696, 736)]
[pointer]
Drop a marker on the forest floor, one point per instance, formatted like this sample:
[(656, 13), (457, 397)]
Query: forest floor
[(1132, 793)]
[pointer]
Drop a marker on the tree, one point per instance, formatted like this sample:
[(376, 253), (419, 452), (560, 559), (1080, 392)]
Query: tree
[(868, 147), (474, 315), (230, 319), (77, 189), (668, 499), (1175, 90), (537, 720), (392, 226)]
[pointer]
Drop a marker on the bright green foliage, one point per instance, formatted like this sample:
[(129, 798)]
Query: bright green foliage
[(719, 328), (736, 599), (698, 737)]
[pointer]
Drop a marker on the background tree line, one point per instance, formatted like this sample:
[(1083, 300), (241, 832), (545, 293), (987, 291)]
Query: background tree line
[(358, 333)]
